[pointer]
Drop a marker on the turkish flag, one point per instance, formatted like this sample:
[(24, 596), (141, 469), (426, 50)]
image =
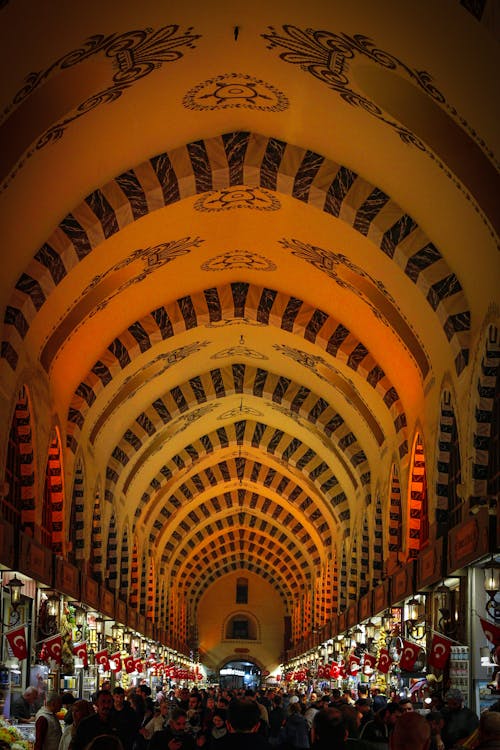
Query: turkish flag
[(102, 658), (409, 655), (384, 661), (369, 663), (17, 642), (128, 661), (353, 665), (334, 670), (321, 672), (440, 652), (138, 665), (54, 648), (492, 632), (117, 662), (80, 650)]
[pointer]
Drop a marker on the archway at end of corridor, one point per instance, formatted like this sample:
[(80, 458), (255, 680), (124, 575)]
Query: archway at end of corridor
[(237, 675)]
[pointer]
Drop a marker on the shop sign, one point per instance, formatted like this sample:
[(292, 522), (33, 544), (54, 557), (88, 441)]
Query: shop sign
[(6, 544), (468, 541), (365, 607), (132, 618), (342, 622), (402, 583), (90, 592), (35, 560), (67, 578), (430, 564), (352, 616), (141, 623), (380, 597), (121, 610), (335, 626), (107, 602)]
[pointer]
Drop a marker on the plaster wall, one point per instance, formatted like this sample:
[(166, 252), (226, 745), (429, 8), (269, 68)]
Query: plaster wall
[(218, 605)]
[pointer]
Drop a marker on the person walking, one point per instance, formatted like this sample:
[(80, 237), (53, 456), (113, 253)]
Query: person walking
[(124, 718), (47, 727), (99, 723), (459, 722), (411, 732), (80, 710), (295, 734)]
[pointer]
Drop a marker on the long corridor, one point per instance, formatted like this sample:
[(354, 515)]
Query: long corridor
[(249, 372)]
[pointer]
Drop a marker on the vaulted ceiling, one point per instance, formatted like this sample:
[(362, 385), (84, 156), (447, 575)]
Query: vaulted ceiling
[(242, 247)]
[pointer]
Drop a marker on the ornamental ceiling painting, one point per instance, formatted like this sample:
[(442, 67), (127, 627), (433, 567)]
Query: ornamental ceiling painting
[(243, 248)]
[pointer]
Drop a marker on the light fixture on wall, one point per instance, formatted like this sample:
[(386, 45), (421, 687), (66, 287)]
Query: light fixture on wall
[(80, 619), (15, 586), (53, 604), (445, 622), (492, 588), (415, 627)]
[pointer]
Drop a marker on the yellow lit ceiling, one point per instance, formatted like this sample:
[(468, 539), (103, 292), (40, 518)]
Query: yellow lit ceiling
[(243, 245)]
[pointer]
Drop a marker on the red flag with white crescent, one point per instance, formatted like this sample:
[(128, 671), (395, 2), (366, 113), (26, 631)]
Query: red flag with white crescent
[(334, 670), (138, 665), (102, 658), (129, 664), (440, 651), (409, 655), (492, 632), (115, 662), (54, 648), (353, 665), (369, 662), (384, 661), (17, 642), (80, 650)]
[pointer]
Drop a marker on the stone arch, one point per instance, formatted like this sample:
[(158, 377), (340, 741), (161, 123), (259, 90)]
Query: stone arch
[(241, 158), (18, 496), (486, 396), (246, 433), (133, 594), (237, 300), (52, 525), (112, 554), (378, 541), (353, 581), (124, 567), (253, 626), (143, 583), (343, 581), (77, 514), (244, 379), (395, 531), (449, 470), (364, 558), (150, 593), (96, 547), (418, 521)]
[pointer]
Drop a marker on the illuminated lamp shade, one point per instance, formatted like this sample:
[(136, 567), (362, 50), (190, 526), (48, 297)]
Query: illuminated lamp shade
[(15, 586)]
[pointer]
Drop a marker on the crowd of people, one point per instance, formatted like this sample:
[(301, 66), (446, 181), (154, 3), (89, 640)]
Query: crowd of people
[(217, 719)]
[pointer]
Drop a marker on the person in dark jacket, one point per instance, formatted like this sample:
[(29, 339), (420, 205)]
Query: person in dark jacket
[(277, 716), (295, 732), (243, 723), (459, 722), (175, 735), (489, 731), (97, 724), (124, 718), (379, 730)]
